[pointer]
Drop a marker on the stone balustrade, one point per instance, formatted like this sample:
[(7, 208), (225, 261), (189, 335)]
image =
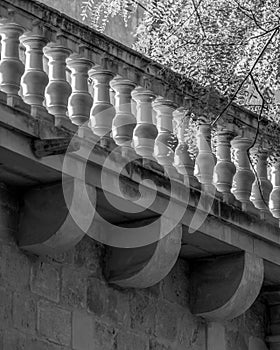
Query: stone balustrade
[(155, 130)]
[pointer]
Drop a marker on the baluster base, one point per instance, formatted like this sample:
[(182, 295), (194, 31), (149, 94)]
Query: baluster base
[(16, 101), (40, 113)]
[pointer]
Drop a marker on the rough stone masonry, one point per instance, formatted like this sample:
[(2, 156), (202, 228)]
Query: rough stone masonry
[(64, 303)]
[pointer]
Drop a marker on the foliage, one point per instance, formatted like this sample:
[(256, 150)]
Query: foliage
[(214, 42), (99, 12)]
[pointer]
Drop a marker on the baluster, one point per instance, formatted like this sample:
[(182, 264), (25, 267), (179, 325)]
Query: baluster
[(205, 160), (244, 177), (224, 169), (124, 121), (58, 89), (261, 187), (34, 79), (274, 199), (11, 68), (164, 142), (145, 131), (102, 111), (80, 100), (182, 159)]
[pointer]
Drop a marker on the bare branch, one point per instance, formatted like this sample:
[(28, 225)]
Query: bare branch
[(246, 77), (143, 7), (245, 12), (256, 137), (176, 29), (198, 17)]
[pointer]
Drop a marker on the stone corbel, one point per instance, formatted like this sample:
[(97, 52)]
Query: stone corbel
[(48, 221), (225, 287), (143, 267)]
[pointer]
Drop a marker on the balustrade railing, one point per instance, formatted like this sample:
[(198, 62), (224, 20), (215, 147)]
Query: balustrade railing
[(155, 129)]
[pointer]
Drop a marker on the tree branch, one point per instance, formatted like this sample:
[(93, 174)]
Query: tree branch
[(198, 17), (143, 7), (255, 139), (176, 29), (243, 10), (246, 77)]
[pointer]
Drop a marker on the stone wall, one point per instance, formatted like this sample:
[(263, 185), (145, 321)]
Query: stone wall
[(64, 303), (115, 28)]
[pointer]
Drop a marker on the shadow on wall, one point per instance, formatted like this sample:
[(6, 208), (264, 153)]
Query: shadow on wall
[(115, 28)]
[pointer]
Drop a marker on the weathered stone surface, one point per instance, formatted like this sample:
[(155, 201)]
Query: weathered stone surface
[(82, 331), (14, 267), (24, 312), (157, 318), (13, 340), (143, 313), (167, 321), (88, 254), (128, 341), (74, 287), (175, 287), (216, 339), (107, 302), (54, 323), (5, 308), (45, 280)]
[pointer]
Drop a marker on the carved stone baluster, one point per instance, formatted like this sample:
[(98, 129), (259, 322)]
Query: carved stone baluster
[(244, 177), (34, 79), (205, 160), (124, 121), (262, 187), (182, 159), (163, 150), (80, 101), (224, 169), (102, 111), (274, 200), (58, 89), (145, 132), (11, 68)]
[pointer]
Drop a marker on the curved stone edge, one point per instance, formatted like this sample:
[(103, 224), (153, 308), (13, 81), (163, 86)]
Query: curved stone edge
[(158, 265), (245, 294), (69, 232)]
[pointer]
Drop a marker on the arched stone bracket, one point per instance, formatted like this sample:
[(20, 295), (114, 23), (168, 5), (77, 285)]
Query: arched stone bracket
[(225, 287), (145, 266), (46, 225)]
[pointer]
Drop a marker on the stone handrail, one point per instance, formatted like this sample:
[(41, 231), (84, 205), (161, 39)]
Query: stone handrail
[(131, 99)]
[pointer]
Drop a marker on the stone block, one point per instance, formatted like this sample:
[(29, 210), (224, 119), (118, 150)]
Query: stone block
[(88, 334), (175, 286), (74, 287), (107, 302), (191, 330), (166, 321), (5, 308), (129, 341), (104, 336), (13, 340), (96, 297), (143, 313), (82, 331), (87, 255), (14, 268), (155, 345), (24, 313), (256, 344), (54, 323), (216, 339), (45, 280)]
